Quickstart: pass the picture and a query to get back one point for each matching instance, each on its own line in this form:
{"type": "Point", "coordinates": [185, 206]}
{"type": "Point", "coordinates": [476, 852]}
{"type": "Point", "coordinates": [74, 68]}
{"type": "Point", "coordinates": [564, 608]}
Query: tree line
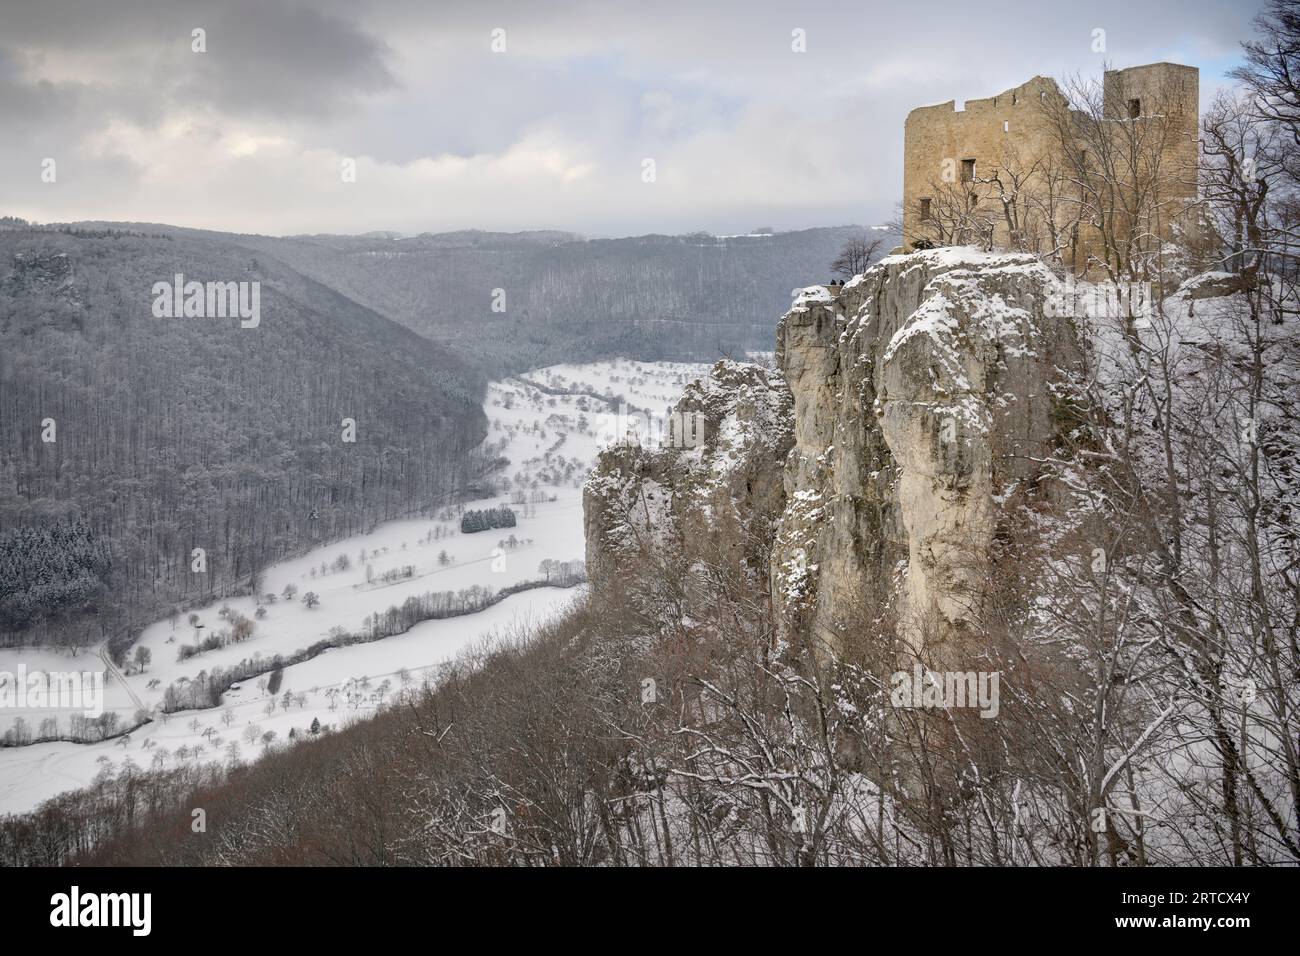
{"type": "Point", "coordinates": [487, 519]}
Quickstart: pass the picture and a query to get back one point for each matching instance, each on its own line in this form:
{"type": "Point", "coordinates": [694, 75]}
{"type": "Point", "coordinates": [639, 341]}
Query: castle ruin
{"type": "Point", "coordinates": [1083, 183]}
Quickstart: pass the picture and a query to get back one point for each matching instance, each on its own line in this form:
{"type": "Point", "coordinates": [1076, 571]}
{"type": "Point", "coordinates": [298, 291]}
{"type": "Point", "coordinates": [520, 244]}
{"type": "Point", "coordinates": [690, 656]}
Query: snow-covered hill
{"type": "Point", "coordinates": [546, 429]}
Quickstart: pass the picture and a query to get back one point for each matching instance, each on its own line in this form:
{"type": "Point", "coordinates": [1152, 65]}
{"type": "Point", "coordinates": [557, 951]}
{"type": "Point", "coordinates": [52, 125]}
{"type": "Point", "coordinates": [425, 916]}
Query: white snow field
{"type": "Point", "coordinates": [550, 424]}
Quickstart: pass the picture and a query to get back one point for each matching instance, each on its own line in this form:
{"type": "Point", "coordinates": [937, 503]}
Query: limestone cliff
{"type": "Point", "coordinates": [924, 399]}
{"type": "Point", "coordinates": [911, 412]}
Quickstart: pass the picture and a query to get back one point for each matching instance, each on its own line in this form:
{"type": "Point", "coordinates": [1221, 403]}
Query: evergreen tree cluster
{"type": "Point", "coordinates": [502, 517]}
{"type": "Point", "coordinates": [47, 570]}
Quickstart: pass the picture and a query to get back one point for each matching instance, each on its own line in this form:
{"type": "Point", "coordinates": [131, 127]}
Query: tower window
{"type": "Point", "coordinates": [1134, 109]}
{"type": "Point", "coordinates": [967, 170]}
{"type": "Point", "coordinates": [925, 210]}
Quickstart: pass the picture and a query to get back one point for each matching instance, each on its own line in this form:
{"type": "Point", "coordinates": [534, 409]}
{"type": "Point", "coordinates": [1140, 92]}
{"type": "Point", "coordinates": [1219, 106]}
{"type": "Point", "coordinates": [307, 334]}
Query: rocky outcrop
{"type": "Point", "coordinates": [710, 494]}
{"type": "Point", "coordinates": [907, 429]}
{"type": "Point", "coordinates": [41, 269]}
{"type": "Point", "coordinates": [1216, 285]}
{"type": "Point", "coordinates": [924, 404]}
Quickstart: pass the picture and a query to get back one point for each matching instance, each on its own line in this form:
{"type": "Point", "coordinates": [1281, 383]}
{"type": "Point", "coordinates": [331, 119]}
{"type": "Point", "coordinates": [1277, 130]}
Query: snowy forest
{"type": "Point", "coordinates": [128, 441]}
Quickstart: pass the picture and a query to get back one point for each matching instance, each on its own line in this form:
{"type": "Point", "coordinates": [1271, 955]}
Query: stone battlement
{"type": "Point", "coordinates": [960, 165]}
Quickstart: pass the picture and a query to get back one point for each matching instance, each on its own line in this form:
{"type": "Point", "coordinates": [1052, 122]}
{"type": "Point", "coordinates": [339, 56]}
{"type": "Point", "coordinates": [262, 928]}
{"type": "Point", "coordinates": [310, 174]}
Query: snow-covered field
{"type": "Point", "coordinates": [550, 432]}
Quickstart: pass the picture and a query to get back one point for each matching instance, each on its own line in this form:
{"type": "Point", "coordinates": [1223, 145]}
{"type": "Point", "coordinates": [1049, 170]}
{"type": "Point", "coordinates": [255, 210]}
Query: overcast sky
{"type": "Point", "coordinates": [251, 135]}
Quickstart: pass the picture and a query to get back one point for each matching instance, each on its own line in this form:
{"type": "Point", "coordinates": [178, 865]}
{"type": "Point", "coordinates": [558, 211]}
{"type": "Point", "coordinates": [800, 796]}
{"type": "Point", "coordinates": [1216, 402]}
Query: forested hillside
{"type": "Point", "coordinates": [566, 299]}
{"type": "Point", "coordinates": [127, 441]}
{"type": "Point", "coordinates": [134, 440]}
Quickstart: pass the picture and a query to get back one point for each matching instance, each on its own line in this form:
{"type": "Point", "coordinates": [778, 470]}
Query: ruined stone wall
{"type": "Point", "coordinates": [1012, 132]}
{"type": "Point", "coordinates": [936, 139]}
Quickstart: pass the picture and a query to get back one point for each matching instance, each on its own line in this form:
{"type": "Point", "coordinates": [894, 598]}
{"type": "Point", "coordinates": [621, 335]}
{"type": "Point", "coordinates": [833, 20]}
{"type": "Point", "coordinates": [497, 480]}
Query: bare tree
{"type": "Point", "coordinates": [855, 256]}
{"type": "Point", "coordinates": [1122, 170]}
{"type": "Point", "coordinates": [1272, 69]}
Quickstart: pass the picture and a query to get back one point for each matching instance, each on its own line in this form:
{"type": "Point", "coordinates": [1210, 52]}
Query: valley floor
{"type": "Point", "coordinates": [549, 425]}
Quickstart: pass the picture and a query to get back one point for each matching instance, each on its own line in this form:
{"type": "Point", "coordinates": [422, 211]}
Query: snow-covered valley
{"type": "Point", "coordinates": [547, 427]}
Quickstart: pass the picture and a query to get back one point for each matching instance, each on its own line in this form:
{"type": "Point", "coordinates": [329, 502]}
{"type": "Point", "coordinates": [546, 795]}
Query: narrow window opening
{"type": "Point", "coordinates": [967, 170]}
{"type": "Point", "coordinates": [925, 210]}
{"type": "Point", "coordinates": [1134, 109]}
{"type": "Point", "coordinates": [1006, 126]}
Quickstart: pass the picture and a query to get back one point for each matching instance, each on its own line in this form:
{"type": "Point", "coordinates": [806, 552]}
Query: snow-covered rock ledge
{"type": "Point", "coordinates": [921, 392]}
{"type": "Point", "coordinates": [711, 497]}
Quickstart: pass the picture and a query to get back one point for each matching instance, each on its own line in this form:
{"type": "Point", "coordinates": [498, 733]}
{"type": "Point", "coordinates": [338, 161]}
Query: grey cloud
{"type": "Point", "coordinates": [286, 59]}
{"type": "Point", "coordinates": [746, 132]}
{"type": "Point", "coordinates": [263, 56]}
